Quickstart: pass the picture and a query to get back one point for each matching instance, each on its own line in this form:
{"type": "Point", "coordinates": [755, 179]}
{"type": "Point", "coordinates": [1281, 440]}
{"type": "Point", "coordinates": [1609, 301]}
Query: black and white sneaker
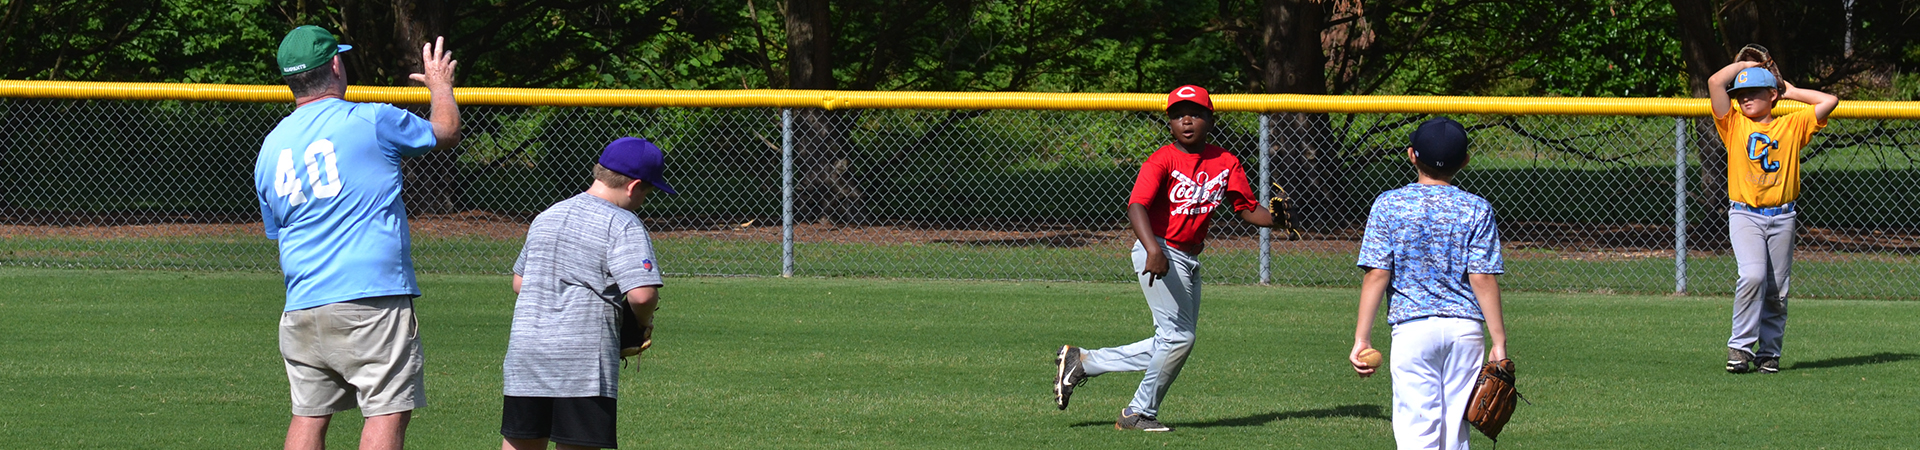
{"type": "Point", "coordinates": [1067, 374]}
{"type": "Point", "coordinates": [1739, 361]}
{"type": "Point", "coordinates": [1768, 364]}
{"type": "Point", "coordinates": [1132, 420]}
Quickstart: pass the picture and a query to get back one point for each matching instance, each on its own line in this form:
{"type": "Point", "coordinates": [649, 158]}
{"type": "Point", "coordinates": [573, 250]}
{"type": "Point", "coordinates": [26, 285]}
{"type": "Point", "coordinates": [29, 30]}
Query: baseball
{"type": "Point", "coordinates": [1370, 357]}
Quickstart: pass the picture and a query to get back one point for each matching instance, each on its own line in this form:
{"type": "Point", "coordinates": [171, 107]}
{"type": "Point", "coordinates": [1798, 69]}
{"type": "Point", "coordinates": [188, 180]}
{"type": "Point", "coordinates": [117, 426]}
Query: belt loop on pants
{"type": "Point", "coordinates": [1769, 211]}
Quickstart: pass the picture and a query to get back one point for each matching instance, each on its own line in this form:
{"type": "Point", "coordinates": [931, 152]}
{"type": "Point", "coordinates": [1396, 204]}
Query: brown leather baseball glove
{"type": "Point", "coordinates": [1493, 398]}
{"type": "Point", "coordinates": [1759, 54]}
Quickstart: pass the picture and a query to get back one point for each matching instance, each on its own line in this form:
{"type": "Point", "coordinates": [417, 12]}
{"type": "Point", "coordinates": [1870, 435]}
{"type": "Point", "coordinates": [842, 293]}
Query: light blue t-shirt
{"type": "Point", "coordinates": [1431, 237]}
{"type": "Point", "coordinates": [328, 181]}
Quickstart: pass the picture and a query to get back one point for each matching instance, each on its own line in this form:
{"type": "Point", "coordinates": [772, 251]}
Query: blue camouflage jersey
{"type": "Point", "coordinates": [328, 182]}
{"type": "Point", "coordinates": [1431, 237]}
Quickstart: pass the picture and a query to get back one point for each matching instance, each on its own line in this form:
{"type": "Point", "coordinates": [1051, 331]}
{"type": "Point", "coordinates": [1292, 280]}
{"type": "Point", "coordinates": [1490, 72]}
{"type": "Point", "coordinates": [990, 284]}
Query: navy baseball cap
{"type": "Point", "coordinates": [1440, 142]}
{"type": "Point", "coordinates": [1753, 77]}
{"type": "Point", "coordinates": [306, 48]}
{"type": "Point", "coordinates": [638, 159]}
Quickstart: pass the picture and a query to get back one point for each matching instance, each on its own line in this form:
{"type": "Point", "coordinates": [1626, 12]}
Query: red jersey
{"type": "Point", "coordinates": [1180, 190]}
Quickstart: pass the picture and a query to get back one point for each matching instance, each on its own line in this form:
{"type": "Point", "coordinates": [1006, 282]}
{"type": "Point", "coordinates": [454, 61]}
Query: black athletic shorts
{"type": "Point", "coordinates": [583, 421]}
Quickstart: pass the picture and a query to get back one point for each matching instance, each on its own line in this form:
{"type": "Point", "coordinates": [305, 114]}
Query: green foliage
{"type": "Point", "coordinates": [1610, 49]}
{"type": "Point", "coordinates": [1452, 47]}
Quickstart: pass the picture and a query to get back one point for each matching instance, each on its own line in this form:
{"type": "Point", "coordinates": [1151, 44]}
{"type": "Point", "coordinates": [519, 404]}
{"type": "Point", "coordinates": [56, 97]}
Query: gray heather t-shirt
{"type": "Point", "coordinates": [581, 256]}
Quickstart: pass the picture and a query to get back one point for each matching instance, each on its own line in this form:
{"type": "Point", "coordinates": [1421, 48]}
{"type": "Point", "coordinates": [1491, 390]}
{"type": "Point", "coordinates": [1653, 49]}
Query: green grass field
{"type": "Point", "coordinates": [131, 359]}
{"type": "Point", "coordinates": [1836, 275]}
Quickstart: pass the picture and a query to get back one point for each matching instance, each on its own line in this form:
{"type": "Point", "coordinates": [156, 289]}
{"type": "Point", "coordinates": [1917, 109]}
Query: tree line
{"type": "Point", "coordinates": [1622, 48]}
{"type": "Point", "coordinates": [1637, 48]}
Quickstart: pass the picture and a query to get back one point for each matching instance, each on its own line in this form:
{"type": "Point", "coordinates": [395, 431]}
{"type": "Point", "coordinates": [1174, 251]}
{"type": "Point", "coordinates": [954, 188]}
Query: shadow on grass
{"type": "Point", "coordinates": [1361, 411]}
{"type": "Point", "coordinates": [1877, 358]}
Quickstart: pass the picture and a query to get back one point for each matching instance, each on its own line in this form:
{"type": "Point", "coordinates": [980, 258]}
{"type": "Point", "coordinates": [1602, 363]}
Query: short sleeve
{"type": "Point", "coordinates": [403, 131]}
{"type": "Point", "coordinates": [1483, 248]}
{"type": "Point", "coordinates": [1147, 184]}
{"type": "Point", "coordinates": [1241, 194]}
{"type": "Point", "coordinates": [268, 222]}
{"type": "Point", "coordinates": [1809, 120]}
{"type": "Point", "coordinates": [520, 262]}
{"type": "Point", "coordinates": [630, 259]}
{"type": "Point", "coordinates": [1724, 124]}
{"type": "Point", "coordinates": [1376, 245]}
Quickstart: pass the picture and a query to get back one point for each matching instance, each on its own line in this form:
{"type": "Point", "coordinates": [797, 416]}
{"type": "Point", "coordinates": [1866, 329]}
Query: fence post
{"type": "Point", "coordinates": [1266, 234]}
{"type": "Point", "coordinates": [1680, 205]}
{"type": "Point", "coordinates": [786, 193]}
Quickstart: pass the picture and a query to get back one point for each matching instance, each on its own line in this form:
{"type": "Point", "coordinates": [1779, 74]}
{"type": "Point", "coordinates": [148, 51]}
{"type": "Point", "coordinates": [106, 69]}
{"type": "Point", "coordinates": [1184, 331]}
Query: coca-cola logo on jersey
{"type": "Point", "coordinates": [1193, 198]}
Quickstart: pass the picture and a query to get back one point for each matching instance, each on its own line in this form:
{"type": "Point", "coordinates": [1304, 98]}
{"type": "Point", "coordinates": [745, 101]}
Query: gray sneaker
{"type": "Point", "coordinates": [1067, 374]}
{"type": "Point", "coordinates": [1768, 364]}
{"type": "Point", "coordinates": [1739, 361]}
{"type": "Point", "coordinates": [1130, 420]}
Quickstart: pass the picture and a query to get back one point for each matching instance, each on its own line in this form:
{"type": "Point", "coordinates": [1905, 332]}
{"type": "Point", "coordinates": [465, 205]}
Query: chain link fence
{"type": "Point", "coordinates": [1585, 203]}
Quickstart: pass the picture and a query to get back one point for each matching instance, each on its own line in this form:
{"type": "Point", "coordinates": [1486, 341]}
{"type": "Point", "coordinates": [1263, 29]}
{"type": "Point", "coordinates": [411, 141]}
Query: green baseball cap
{"type": "Point", "coordinates": [306, 48]}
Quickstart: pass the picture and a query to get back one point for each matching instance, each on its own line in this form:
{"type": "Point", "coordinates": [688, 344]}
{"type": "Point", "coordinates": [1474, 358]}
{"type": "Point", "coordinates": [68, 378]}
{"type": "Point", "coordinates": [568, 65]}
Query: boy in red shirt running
{"type": "Point", "coordinates": [1178, 187]}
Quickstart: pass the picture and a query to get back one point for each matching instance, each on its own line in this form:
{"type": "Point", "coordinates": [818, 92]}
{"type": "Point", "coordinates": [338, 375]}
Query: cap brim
{"type": "Point", "coordinates": [661, 185]}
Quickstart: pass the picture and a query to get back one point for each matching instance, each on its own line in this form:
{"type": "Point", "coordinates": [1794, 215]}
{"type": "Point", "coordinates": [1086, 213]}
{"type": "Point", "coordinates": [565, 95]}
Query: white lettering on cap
{"type": "Point", "coordinates": [1185, 92]}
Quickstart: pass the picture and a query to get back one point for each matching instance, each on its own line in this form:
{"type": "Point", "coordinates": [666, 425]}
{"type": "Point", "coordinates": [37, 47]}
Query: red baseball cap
{"type": "Point", "coordinates": [1190, 93]}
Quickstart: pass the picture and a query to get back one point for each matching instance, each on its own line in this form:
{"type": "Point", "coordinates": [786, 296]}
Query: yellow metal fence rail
{"type": "Point", "coordinates": [775, 98]}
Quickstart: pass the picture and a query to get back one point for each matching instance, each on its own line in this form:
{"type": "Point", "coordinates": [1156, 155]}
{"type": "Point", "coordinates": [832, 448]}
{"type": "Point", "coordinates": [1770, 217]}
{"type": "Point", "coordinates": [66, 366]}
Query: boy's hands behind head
{"type": "Point", "coordinates": [1760, 57]}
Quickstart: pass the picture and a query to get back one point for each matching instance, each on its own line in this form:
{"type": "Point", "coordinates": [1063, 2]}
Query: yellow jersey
{"type": "Point", "coordinates": [1763, 159]}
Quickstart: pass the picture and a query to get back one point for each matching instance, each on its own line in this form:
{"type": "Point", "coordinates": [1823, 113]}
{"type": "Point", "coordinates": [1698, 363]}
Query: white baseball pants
{"type": "Point", "coordinates": [1434, 364]}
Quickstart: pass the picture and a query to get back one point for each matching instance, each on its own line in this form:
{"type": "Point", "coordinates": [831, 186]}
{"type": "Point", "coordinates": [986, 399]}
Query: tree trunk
{"type": "Point", "coordinates": [1698, 44]}
{"type": "Point", "coordinates": [434, 184]}
{"type": "Point", "coordinates": [825, 189]}
{"type": "Point", "coordinates": [1707, 41]}
{"type": "Point", "coordinates": [1305, 154]}
{"type": "Point", "coordinates": [809, 45]}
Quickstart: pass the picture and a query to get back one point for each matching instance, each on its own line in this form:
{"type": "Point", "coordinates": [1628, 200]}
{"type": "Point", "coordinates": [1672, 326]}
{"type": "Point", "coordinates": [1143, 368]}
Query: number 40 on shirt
{"type": "Point", "coordinates": [323, 174]}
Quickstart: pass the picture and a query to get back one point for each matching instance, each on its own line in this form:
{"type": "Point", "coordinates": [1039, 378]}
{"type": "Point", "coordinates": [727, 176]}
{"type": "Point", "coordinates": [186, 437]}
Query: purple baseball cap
{"type": "Point", "coordinates": [638, 159]}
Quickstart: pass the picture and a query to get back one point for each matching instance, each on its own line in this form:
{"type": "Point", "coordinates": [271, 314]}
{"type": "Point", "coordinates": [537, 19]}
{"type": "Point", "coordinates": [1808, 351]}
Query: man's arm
{"type": "Point", "coordinates": [1823, 103]}
{"type": "Point", "coordinates": [516, 283]}
{"type": "Point", "coordinates": [1717, 86]}
{"type": "Point", "coordinates": [1486, 289]}
{"type": "Point", "coordinates": [437, 74]}
{"type": "Point", "coordinates": [1373, 286]}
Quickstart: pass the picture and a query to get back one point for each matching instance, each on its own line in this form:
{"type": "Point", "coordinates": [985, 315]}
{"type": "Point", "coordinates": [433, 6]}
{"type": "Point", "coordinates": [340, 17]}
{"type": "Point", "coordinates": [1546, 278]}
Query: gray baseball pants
{"type": "Point", "coordinates": [1175, 303]}
{"type": "Point", "coordinates": [1763, 248]}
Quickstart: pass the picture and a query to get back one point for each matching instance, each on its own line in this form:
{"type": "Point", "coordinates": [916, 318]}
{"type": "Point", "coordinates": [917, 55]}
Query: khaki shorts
{"type": "Point", "coordinates": [364, 352]}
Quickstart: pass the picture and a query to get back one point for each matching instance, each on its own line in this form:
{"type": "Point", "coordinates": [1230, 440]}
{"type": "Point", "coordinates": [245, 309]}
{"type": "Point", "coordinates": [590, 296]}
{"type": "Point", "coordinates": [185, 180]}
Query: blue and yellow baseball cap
{"type": "Point", "coordinates": [306, 48]}
{"type": "Point", "coordinates": [1754, 77]}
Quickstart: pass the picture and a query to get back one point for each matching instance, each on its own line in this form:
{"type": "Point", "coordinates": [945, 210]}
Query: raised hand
{"type": "Point", "coordinates": [438, 63]}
